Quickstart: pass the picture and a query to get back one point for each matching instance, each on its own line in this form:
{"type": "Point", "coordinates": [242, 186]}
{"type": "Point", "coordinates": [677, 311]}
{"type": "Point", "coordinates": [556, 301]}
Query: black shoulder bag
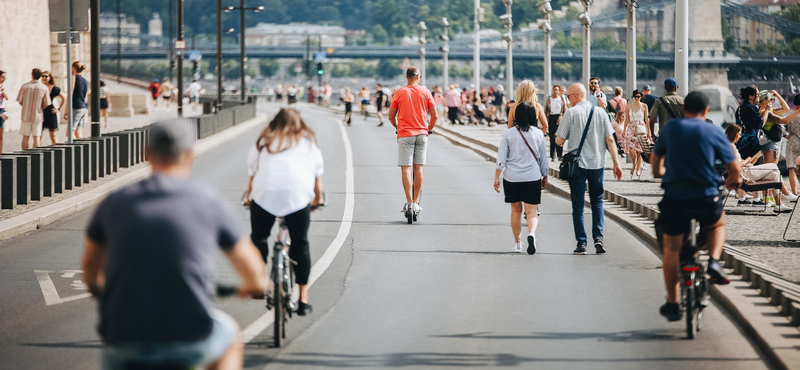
{"type": "Point", "coordinates": [668, 108]}
{"type": "Point", "coordinates": [568, 169]}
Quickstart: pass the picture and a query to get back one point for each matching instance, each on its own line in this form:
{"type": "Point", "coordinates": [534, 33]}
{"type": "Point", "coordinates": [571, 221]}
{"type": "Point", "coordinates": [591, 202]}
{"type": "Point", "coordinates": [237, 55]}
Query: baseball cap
{"type": "Point", "coordinates": [670, 83]}
{"type": "Point", "coordinates": [168, 140]}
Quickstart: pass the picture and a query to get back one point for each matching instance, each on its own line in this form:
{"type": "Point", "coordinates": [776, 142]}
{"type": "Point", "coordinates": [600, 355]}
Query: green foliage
{"type": "Point", "coordinates": [230, 69]}
{"type": "Point", "coordinates": [435, 69]}
{"type": "Point", "coordinates": [642, 45]}
{"type": "Point", "coordinates": [268, 67]}
{"type": "Point", "coordinates": [608, 43]}
{"type": "Point", "coordinates": [729, 42]}
{"type": "Point", "coordinates": [565, 41]}
{"type": "Point", "coordinates": [388, 68]}
{"type": "Point", "coordinates": [793, 14]}
{"type": "Point", "coordinates": [464, 72]}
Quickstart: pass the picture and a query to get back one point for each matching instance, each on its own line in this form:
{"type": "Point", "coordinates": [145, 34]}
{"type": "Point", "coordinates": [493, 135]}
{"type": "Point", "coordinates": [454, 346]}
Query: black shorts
{"type": "Point", "coordinates": [103, 103]}
{"type": "Point", "coordinates": [528, 192]}
{"type": "Point", "coordinates": [452, 113]}
{"type": "Point", "coordinates": [676, 215]}
{"type": "Point", "coordinates": [348, 107]}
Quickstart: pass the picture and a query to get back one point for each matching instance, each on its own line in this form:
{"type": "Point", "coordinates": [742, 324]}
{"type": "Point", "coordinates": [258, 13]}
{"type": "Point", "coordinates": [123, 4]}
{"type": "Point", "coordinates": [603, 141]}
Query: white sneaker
{"type": "Point", "coordinates": [405, 208]}
{"type": "Point", "coordinates": [517, 248]}
{"type": "Point", "coordinates": [417, 208]}
{"type": "Point", "coordinates": [748, 196]}
{"type": "Point", "coordinates": [782, 209]}
{"type": "Point", "coordinates": [789, 198]}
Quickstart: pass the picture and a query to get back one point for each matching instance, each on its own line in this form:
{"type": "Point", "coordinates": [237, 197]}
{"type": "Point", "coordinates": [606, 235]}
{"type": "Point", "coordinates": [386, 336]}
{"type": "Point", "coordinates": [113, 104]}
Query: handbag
{"type": "Point", "coordinates": [568, 169]}
{"type": "Point", "coordinates": [640, 130]}
{"type": "Point", "coordinates": [528, 145]}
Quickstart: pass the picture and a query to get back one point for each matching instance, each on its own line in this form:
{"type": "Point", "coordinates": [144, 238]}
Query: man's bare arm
{"type": "Point", "coordinates": [393, 116]}
{"type": "Point", "coordinates": [247, 261]}
{"type": "Point", "coordinates": [93, 265]}
{"type": "Point", "coordinates": [657, 162]}
{"type": "Point", "coordinates": [434, 118]}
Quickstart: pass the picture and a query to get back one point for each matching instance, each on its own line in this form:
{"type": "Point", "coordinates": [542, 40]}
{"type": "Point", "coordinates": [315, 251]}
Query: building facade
{"type": "Point", "coordinates": [129, 31]}
{"type": "Point", "coordinates": [750, 33]}
{"type": "Point", "coordinates": [295, 34]}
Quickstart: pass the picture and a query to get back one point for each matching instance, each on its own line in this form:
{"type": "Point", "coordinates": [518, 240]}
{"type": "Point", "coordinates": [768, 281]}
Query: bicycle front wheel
{"type": "Point", "coordinates": [690, 299]}
{"type": "Point", "coordinates": [279, 324]}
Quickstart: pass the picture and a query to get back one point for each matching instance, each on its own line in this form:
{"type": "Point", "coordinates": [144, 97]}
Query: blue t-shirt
{"type": "Point", "coordinates": [690, 148]}
{"type": "Point", "coordinates": [79, 93]}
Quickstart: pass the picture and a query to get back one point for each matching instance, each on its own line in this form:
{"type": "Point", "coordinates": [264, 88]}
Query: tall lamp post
{"type": "Point", "coordinates": [545, 8]}
{"type": "Point", "coordinates": [631, 84]}
{"type": "Point", "coordinates": [682, 46]}
{"type": "Point", "coordinates": [477, 50]}
{"type": "Point", "coordinates": [422, 42]}
{"type": "Point", "coordinates": [445, 49]}
{"type": "Point", "coordinates": [243, 58]}
{"type": "Point", "coordinates": [586, 22]}
{"type": "Point", "coordinates": [509, 39]}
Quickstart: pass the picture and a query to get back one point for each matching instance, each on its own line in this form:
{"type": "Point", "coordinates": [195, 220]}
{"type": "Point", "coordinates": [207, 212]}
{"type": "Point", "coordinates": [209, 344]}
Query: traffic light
{"type": "Point", "coordinates": [195, 67]}
{"type": "Point", "coordinates": [307, 67]}
{"type": "Point", "coordinates": [320, 71]}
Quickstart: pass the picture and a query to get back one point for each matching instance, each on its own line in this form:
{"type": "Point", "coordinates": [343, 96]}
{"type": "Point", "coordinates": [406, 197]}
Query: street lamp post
{"type": "Point", "coordinates": [422, 52]}
{"type": "Point", "coordinates": [586, 22]}
{"type": "Point", "coordinates": [631, 60]}
{"type": "Point", "coordinates": [508, 22]}
{"type": "Point", "coordinates": [445, 49]}
{"type": "Point", "coordinates": [477, 50]}
{"type": "Point", "coordinates": [219, 56]}
{"type": "Point", "coordinates": [545, 8]}
{"type": "Point", "coordinates": [243, 58]}
{"type": "Point", "coordinates": [682, 46]}
{"type": "Point", "coordinates": [180, 58]}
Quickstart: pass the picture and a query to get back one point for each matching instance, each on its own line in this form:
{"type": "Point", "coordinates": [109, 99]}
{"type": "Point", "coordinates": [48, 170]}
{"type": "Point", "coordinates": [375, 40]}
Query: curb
{"type": "Point", "coordinates": [40, 217]}
{"type": "Point", "coordinates": [777, 341]}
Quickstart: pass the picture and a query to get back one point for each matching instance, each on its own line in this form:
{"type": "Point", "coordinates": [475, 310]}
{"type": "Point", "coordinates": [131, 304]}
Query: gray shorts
{"type": "Point", "coordinates": [412, 150]}
{"type": "Point", "coordinates": [79, 118]}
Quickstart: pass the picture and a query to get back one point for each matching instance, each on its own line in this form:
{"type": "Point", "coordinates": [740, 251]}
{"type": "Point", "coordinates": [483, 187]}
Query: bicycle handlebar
{"type": "Point", "coordinates": [226, 291]}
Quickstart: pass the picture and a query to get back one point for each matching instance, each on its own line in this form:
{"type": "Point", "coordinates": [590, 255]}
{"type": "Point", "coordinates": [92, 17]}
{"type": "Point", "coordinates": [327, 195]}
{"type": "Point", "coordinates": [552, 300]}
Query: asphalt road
{"type": "Point", "coordinates": [442, 293]}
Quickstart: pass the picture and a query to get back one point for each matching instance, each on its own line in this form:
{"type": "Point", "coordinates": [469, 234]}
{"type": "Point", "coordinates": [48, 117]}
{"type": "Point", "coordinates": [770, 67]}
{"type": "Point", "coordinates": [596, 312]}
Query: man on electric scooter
{"type": "Point", "coordinates": [685, 157]}
{"type": "Point", "coordinates": [149, 260]}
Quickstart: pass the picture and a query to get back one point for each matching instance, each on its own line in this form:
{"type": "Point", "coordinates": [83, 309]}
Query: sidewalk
{"type": "Point", "coordinates": [757, 235]}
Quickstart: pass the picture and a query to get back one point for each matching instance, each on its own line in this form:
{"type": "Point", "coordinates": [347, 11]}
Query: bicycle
{"type": "Point", "coordinates": [282, 277]}
{"type": "Point", "coordinates": [694, 297]}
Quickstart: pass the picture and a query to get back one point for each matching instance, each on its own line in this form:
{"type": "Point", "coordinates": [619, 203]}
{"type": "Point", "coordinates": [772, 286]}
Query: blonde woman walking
{"type": "Point", "coordinates": [526, 92]}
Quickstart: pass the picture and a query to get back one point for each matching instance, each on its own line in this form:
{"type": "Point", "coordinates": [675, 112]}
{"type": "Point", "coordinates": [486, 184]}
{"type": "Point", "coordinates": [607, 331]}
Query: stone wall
{"type": "Point", "coordinates": [24, 45]}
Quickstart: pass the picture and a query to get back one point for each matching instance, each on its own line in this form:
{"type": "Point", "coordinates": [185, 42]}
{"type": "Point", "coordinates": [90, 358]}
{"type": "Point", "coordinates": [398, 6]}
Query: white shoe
{"type": "Point", "coordinates": [782, 209]}
{"type": "Point", "coordinates": [789, 198]}
{"type": "Point", "coordinates": [748, 196]}
{"type": "Point", "coordinates": [517, 248]}
{"type": "Point", "coordinates": [417, 208]}
{"type": "Point", "coordinates": [405, 208]}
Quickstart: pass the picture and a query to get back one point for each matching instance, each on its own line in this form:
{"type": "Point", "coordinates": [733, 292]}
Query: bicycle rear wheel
{"type": "Point", "coordinates": [690, 300]}
{"type": "Point", "coordinates": [279, 323]}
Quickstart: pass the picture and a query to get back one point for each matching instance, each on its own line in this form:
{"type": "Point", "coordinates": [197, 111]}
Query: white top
{"type": "Point", "coordinates": [194, 89]}
{"type": "Point", "coordinates": [555, 106]}
{"type": "Point", "coordinates": [637, 116]}
{"type": "Point", "coordinates": [283, 182]}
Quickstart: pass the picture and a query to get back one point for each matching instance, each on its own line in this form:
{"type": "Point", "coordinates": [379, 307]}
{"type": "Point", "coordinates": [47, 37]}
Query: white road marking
{"type": "Point", "coordinates": [319, 268]}
{"type": "Point", "coordinates": [49, 289]}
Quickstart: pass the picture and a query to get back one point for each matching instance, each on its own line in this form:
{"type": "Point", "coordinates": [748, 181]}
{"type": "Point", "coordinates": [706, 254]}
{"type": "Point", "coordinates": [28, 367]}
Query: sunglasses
{"type": "Point", "coordinates": [637, 97]}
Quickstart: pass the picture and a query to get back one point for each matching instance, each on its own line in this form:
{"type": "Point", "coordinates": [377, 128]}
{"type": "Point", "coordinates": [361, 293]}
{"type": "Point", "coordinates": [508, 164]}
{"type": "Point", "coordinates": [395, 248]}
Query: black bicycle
{"type": "Point", "coordinates": [282, 277]}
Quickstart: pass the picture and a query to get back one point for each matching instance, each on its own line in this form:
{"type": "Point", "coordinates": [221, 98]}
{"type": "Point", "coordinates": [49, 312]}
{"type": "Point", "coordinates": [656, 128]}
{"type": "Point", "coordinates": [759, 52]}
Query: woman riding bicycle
{"type": "Point", "coordinates": [285, 167]}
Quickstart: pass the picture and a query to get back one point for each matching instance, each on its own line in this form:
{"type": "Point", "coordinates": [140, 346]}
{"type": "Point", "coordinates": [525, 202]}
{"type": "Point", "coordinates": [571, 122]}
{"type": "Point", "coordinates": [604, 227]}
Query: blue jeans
{"type": "Point", "coordinates": [577, 188]}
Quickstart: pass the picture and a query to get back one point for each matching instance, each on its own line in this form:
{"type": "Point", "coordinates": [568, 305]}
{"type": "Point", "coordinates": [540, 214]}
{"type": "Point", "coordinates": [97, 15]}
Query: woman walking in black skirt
{"type": "Point", "coordinates": [522, 160]}
{"type": "Point", "coordinates": [50, 122]}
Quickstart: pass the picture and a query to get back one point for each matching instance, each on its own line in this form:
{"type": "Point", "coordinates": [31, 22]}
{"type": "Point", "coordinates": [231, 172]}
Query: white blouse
{"type": "Point", "coordinates": [283, 183]}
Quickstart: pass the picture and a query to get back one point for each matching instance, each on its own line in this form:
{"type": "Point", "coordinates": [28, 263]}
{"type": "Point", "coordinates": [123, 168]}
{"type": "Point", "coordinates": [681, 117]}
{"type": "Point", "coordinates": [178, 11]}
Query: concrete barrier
{"type": "Point", "coordinates": [140, 103]}
{"type": "Point", "coordinates": [121, 105]}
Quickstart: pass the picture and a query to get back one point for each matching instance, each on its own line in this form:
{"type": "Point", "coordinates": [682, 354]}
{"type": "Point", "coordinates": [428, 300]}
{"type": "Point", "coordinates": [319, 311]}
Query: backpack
{"type": "Point", "coordinates": [611, 111]}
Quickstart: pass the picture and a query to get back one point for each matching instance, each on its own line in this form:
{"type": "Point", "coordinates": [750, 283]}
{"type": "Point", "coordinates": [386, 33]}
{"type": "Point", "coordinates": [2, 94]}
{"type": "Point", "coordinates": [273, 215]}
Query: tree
{"type": "Point", "coordinates": [379, 35]}
{"type": "Point", "coordinates": [388, 69]}
{"type": "Point", "coordinates": [607, 43]}
{"type": "Point", "coordinates": [565, 41]}
{"type": "Point", "coordinates": [268, 67]}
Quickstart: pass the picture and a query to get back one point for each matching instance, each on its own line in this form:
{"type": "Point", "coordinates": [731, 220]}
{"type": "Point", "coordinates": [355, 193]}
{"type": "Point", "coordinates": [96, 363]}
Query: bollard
{"type": "Point", "coordinates": [36, 177]}
{"type": "Point", "coordinates": [49, 171]}
{"type": "Point", "coordinates": [73, 166]}
{"type": "Point", "coordinates": [23, 177]}
{"type": "Point", "coordinates": [63, 167]}
{"type": "Point", "coordinates": [90, 154]}
{"type": "Point", "coordinates": [112, 153]}
{"type": "Point", "coordinates": [8, 182]}
{"type": "Point", "coordinates": [123, 148]}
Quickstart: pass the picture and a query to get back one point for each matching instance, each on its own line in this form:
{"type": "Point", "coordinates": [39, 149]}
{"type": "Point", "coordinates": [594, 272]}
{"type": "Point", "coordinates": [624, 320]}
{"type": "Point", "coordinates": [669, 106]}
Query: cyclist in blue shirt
{"type": "Point", "coordinates": [685, 157]}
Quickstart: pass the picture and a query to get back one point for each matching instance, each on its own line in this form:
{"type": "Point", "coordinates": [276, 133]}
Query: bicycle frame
{"type": "Point", "coordinates": [283, 282]}
{"type": "Point", "coordinates": [694, 284]}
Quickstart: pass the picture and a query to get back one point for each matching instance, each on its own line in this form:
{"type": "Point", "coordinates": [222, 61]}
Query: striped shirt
{"type": "Point", "coordinates": [34, 98]}
{"type": "Point", "coordinates": [103, 92]}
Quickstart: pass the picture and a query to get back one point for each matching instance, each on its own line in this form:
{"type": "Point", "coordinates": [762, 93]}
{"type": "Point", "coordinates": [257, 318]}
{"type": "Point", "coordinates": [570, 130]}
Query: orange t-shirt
{"type": "Point", "coordinates": [413, 104]}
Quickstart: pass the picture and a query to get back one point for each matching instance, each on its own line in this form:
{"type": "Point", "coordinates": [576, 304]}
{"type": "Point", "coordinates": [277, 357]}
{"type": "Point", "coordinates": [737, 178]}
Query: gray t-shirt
{"type": "Point", "coordinates": [592, 155]}
{"type": "Point", "coordinates": [162, 236]}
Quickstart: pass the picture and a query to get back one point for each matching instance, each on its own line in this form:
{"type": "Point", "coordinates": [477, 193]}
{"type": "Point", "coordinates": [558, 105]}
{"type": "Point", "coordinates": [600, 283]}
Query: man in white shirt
{"type": "Point", "coordinates": [34, 97]}
{"type": "Point", "coordinates": [596, 96]}
{"type": "Point", "coordinates": [195, 89]}
{"type": "Point", "coordinates": [591, 162]}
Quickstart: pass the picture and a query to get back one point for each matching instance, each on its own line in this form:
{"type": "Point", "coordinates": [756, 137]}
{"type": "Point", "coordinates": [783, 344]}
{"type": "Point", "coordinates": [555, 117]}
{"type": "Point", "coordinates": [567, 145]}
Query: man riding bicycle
{"type": "Point", "coordinates": [408, 113]}
{"type": "Point", "coordinates": [149, 260]}
{"type": "Point", "coordinates": [685, 157]}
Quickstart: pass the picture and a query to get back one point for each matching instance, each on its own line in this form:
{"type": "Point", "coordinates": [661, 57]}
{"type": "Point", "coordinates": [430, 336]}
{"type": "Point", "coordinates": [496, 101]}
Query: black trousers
{"type": "Point", "coordinates": [261, 223]}
{"type": "Point", "coordinates": [552, 123]}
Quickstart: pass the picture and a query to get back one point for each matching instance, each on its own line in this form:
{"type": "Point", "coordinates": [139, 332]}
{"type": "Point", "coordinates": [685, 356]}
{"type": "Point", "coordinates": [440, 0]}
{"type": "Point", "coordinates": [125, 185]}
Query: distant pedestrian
{"type": "Point", "coordinates": [347, 99]}
{"type": "Point", "coordinates": [554, 108]}
{"type": "Point", "coordinates": [599, 137]}
{"type": "Point", "coordinates": [312, 94]}
{"type": "Point", "coordinates": [155, 91]}
{"type": "Point", "coordinates": [34, 98]}
{"type": "Point", "coordinates": [521, 158]}
{"type": "Point", "coordinates": [596, 96]}
{"type": "Point", "coordinates": [438, 98]}
{"type": "Point", "coordinates": [51, 112]}
{"type": "Point", "coordinates": [382, 95]}
{"type": "Point", "coordinates": [78, 106]}
{"type": "Point", "coordinates": [279, 92]}
{"type": "Point", "coordinates": [105, 106]}
{"type": "Point", "coordinates": [667, 107]}
{"type": "Point", "coordinates": [3, 97]}
{"type": "Point", "coordinates": [195, 91]}
{"type": "Point", "coordinates": [526, 92]}
{"type": "Point", "coordinates": [166, 94]}
{"type": "Point", "coordinates": [635, 128]}
{"type": "Point", "coordinates": [453, 102]}
{"type": "Point", "coordinates": [564, 95]}
{"type": "Point", "coordinates": [648, 97]}
{"type": "Point", "coordinates": [618, 102]}
{"type": "Point", "coordinates": [327, 92]}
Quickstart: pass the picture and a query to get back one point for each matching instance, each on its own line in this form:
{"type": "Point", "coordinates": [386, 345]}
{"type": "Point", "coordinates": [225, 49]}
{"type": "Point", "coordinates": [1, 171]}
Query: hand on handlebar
{"type": "Point", "coordinates": [733, 183]}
